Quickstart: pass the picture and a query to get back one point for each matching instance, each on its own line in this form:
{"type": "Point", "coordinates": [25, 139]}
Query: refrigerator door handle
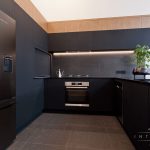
{"type": "Point", "coordinates": [6, 103]}
{"type": "Point", "coordinates": [5, 106]}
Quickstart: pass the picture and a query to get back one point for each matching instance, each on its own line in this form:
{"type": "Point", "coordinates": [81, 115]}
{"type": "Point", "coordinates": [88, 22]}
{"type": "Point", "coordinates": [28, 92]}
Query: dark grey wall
{"type": "Point", "coordinates": [95, 65]}
{"type": "Point", "coordinates": [29, 95]}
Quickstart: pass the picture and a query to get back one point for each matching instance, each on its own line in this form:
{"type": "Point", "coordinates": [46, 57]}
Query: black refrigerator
{"type": "Point", "coordinates": [7, 80]}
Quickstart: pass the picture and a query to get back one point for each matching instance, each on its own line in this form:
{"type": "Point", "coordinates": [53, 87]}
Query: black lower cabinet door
{"type": "Point", "coordinates": [118, 98]}
{"type": "Point", "coordinates": [54, 93]}
{"type": "Point", "coordinates": [135, 114]}
{"type": "Point", "coordinates": [7, 126]}
{"type": "Point", "coordinates": [101, 95]}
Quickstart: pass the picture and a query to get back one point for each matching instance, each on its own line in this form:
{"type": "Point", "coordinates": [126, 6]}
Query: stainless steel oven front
{"type": "Point", "coordinates": [77, 94]}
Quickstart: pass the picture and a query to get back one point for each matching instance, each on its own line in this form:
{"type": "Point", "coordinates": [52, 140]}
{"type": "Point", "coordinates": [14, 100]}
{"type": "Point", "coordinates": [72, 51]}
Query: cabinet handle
{"type": "Point", "coordinates": [117, 86]}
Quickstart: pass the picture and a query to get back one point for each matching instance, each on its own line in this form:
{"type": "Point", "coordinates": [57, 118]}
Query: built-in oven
{"type": "Point", "coordinates": [77, 94]}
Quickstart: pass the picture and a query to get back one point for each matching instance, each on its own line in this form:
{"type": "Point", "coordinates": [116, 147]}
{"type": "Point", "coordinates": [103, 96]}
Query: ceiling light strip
{"type": "Point", "coordinates": [92, 53]}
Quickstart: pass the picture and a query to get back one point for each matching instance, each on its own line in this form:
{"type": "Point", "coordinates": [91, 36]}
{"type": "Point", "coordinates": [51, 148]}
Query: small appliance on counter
{"type": "Point", "coordinates": [59, 73]}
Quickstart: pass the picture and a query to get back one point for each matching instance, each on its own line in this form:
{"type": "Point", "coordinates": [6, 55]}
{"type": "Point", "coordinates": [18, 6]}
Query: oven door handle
{"type": "Point", "coordinates": [76, 87]}
{"type": "Point", "coordinates": [77, 105]}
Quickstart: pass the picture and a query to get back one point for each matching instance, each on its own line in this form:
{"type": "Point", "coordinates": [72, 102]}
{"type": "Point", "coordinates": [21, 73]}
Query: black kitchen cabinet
{"type": "Point", "coordinates": [118, 100]}
{"type": "Point", "coordinates": [136, 113]}
{"type": "Point", "coordinates": [7, 125]}
{"type": "Point", "coordinates": [101, 95]}
{"type": "Point", "coordinates": [73, 41]}
{"type": "Point", "coordinates": [54, 94]}
{"type": "Point", "coordinates": [128, 99]}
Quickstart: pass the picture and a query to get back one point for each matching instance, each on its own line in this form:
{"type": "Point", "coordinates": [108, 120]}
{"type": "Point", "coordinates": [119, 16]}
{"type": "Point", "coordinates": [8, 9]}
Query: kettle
{"type": "Point", "coordinates": [59, 73]}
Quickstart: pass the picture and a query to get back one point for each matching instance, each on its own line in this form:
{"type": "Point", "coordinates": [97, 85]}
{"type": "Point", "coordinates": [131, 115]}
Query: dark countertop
{"type": "Point", "coordinates": [80, 78]}
{"type": "Point", "coordinates": [146, 81]}
{"type": "Point", "coordinates": [143, 81]}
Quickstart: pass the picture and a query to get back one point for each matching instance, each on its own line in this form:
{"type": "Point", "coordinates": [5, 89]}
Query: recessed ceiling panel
{"type": "Point", "coordinates": [61, 10]}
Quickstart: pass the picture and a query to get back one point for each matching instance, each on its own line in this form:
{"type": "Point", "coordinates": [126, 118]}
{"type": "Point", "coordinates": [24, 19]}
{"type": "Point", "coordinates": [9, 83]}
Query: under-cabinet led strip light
{"type": "Point", "coordinates": [92, 53]}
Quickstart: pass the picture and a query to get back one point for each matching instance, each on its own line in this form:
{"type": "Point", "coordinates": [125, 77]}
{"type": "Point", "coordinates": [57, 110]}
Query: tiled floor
{"type": "Point", "coordinates": [73, 132]}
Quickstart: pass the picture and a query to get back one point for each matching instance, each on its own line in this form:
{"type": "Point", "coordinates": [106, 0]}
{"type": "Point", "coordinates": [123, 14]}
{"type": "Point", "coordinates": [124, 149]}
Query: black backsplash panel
{"type": "Point", "coordinates": [99, 40]}
{"type": "Point", "coordinates": [95, 65]}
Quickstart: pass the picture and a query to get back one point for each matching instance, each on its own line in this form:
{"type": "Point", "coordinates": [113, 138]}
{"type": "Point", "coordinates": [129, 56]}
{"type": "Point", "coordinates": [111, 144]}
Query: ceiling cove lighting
{"type": "Point", "coordinates": [93, 53]}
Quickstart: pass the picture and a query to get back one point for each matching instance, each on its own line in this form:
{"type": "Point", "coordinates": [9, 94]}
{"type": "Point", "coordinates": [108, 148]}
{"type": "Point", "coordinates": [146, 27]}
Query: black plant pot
{"type": "Point", "coordinates": [141, 70]}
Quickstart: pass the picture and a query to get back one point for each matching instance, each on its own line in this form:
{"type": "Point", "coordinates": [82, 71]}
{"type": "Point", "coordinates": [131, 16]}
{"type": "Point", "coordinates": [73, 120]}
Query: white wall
{"type": "Point", "coordinates": [57, 10]}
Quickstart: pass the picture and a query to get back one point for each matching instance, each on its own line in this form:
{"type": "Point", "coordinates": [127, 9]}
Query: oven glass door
{"type": "Point", "coordinates": [77, 95]}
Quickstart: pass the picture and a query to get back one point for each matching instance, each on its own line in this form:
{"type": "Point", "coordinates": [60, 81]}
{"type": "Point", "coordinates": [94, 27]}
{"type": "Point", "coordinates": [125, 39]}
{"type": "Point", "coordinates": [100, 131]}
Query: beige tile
{"type": "Point", "coordinates": [16, 145]}
{"type": "Point", "coordinates": [115, 130]}
{"type": "Point", "coordinates": [88, 140]}
{"type": "Point", "coordinates": [73, 148]}
{"type": "Point", "coordinates": [26, 134]}
{"type": "Point", "coordinates": [51, 136]}
{"type": "Point", "coordinates": [48, 125]}
{"type": "Point", "coordinates": [87, 128]}
{"type": "Point", "coordinates": [120, 141]}
{"type": "Point", "coordinates": [29, 146]}
{"type": "Point", "coordinates": [73, 132]}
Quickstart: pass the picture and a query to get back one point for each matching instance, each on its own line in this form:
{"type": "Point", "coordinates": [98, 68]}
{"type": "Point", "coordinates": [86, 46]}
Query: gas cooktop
{"type": "Point", "coordinates": [77, 76]}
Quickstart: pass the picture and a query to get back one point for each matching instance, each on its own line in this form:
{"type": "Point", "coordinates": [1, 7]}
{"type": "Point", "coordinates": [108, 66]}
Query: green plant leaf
{"type": "Point", "coordinates": [142, 54]}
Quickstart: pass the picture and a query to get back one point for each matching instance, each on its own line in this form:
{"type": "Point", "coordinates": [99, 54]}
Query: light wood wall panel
{"type": "Point", "coordinates": [130, 22]}
{"type": "Point", "coordinates": [145, 20]}
{"type": "Point", "coordinates": [31, 10]}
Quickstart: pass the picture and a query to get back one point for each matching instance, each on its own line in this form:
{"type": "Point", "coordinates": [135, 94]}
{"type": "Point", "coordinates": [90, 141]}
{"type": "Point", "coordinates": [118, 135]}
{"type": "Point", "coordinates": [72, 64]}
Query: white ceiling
{"type": "Point", "coordinates": [60, 10]}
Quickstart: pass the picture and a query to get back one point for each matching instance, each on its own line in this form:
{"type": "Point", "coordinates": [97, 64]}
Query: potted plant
{"type": "Point", "coordinates": [142, 57]}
